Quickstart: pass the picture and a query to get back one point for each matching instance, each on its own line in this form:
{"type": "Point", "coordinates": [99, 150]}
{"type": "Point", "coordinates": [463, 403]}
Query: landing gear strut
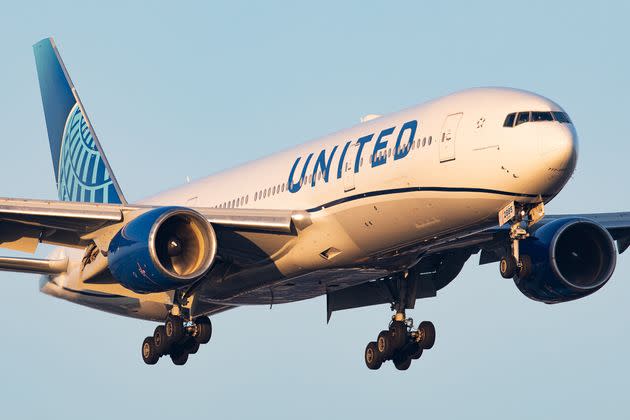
{"type": "Point", "coordinates": [177, 338]}
{"type": "Point", "coordinates": [513, 264]}
{"type": "Point", "coordinates": [401, 342]}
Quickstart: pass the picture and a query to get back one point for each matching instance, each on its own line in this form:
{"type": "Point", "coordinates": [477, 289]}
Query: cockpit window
{"type": "Point", "coordinates": [509, 120]}
{"type": "Point", "coordinates": [562, 117]}
{"type": "Point", "coordinates": [541, 116]}
{"type": "Point", "coordinates": [523, 117]}
{"type": "Point", "coordinates": [514, 119]}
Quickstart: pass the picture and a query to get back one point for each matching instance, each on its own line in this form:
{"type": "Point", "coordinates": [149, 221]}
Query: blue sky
{"type": "Point", "coordinates": [188, 89]}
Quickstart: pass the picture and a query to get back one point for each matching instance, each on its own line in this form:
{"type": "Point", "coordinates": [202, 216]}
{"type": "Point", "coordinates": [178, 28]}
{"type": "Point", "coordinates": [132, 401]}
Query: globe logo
{"type": "Point", "coordinates": [82, 173]}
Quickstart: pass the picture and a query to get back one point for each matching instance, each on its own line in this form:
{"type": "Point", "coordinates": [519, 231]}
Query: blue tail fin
{"type": "Point", "coordinates": [81, 169]}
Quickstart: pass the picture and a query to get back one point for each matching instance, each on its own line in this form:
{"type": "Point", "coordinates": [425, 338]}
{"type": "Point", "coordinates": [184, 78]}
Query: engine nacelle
{"type": "Point", "coordinates": [571, 258]}
{"type": "Point", "coordinates": [163, 249]}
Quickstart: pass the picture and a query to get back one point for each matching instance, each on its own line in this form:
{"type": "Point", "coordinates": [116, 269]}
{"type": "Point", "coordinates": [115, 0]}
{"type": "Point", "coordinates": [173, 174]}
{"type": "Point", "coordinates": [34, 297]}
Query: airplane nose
{"type": "Point", "coordinates": [558, 148]}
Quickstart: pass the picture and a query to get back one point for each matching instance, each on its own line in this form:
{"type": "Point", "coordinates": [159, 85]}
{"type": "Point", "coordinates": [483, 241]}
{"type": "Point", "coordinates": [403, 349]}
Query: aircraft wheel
{"type": "Point", "coordinates": [398, 334]}
{"type": "Point", "coordinates": [372, 359]}
{"type": "Point", "coordinates": [417, 352]}
{"type": "Point", "coordinates": [384, 345]}
{"type": "Point", "coordinates": [192, 346]}
{"type": "Point", "coordinates": [402, 363]}
{"type": "Point", "coordinates": [174, 329]}
{"type": "Point", "coordinates": [203, 328]}
{"type": "Point", "coordinates": [179, 357]}
{"type": "Point", "coordinates": [526, 266]}
{"type": "Point", "coordinates": [160, 340]}
{"type": "Point", "coordinates": [508, 266]}
{"type": "Point", "coordinates": [427, 329]}
{"type": "Point", "coordinates": [150, 354]}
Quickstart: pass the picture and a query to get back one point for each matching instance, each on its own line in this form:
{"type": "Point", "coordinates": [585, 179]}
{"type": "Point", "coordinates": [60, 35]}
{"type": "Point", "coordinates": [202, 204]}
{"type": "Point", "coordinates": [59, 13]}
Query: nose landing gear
{"type": "Point", "coordinates": [176, 338]}
{"type": "Point", "coordinates": [513, 264]}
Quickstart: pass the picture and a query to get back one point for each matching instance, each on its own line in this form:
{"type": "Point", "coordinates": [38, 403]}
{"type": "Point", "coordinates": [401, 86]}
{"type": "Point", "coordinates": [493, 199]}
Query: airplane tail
{"type": "Point", "coordinates": [81, 168]}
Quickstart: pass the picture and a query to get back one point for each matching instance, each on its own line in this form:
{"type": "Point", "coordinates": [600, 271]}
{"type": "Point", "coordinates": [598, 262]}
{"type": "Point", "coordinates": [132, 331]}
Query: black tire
{"type": "Point", "coordinates": [398, 331]}
{"type": "Point", "coordinates": [179, 358]}
{"type": "Point", "coordinates": [427, 329]}
{"type": "Point", "coordinates": [372, 360]}
{"type": "Point", "coordinates": [417, 352]}
{"type": "Point", "coordinates": [174, 329]}
{"type": "Point", "coordinates": [508, 266]}
{"type": "Point", "coordinates": [384, 345]}
{"type": "Point", "coordinates": [526, 267]}
{"type": "Point", "coordinates": [160, 340]}
{"type": "Point", "coordinates": [203, 328]}
{"type": "Point", "coordinates": [192, 346]}
{"type": "Point", "coordinates": [402, 363]}
{"type": "Point", "coordinates": [150, 354]}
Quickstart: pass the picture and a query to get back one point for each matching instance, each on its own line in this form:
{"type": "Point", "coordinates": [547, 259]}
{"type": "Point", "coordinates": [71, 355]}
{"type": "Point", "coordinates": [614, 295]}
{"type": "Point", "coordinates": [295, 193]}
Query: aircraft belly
{"type": "Point", "coordinates": [360, 235]}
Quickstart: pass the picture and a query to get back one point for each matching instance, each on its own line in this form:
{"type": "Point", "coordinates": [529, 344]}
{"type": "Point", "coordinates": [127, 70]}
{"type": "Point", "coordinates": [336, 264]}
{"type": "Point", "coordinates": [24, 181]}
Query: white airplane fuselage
{"type": "Point", "coordinates": [377, 194]}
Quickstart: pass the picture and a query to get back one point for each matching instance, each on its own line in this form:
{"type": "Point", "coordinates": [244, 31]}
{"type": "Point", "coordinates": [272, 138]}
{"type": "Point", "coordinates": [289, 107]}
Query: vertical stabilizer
{"type": "Point", "coordinates": [81, 168]}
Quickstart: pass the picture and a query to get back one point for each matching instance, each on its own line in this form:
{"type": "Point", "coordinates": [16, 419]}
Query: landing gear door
{"type": "Point", "coordinates": [348, 167]}
{"type": "Point", "coordinates": [447, 137]}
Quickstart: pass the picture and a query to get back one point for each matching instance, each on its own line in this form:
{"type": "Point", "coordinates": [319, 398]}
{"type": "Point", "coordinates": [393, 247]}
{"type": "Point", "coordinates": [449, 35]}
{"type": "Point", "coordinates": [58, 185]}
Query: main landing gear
{"type": "Point", "coordinates": [513, 263]}
{"type": "Point", "coordinates": [401, 343]}
{"type": "Point", "coordinates": [176, 338]}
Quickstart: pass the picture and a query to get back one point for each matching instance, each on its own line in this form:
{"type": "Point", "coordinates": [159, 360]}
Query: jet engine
{"type": "Point", "coordinates": [570, 258]}
{"type": "Point", "coordinates": [163, 249]}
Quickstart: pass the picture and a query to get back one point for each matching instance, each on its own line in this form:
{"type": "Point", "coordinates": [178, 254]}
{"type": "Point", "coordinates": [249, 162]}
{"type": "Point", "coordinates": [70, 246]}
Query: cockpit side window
{"type": "Point", "coordinates": [523, 117]}
{"type": "Point", "coordinates": [541, 116]}
{"type": "Point", "coordinates": [561, 117]}
{"type": "Point", "coordinates": [509, 120]}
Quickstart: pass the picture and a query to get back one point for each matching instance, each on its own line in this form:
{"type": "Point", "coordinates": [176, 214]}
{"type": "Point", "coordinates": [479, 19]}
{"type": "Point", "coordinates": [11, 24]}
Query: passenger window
{"type": "Point", "coordinates": [509, 120]}
{"type": "Point", "coordinates": [541, 116]}
{"type": "Point", "coordinates": [430, 140]}
{"type": "Point", "coordinates": [562, 117]}
{"type": "Point", "coordinates": [523, 117]}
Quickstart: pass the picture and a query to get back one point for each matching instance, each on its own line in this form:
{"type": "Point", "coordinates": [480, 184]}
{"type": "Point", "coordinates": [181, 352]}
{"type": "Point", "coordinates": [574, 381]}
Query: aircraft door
{"type": "Point", "coordinates": [447, 139]}
{"type": "Point", "coordinates": [348, 167]}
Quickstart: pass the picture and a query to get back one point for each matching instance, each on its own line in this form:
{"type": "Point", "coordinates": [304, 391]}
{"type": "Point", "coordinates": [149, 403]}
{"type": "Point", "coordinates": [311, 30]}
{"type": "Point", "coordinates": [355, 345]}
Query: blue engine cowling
{"type": "Point", "coordinates": [570, 259]}
{"type": "Point", "coordinates": [163, 249]}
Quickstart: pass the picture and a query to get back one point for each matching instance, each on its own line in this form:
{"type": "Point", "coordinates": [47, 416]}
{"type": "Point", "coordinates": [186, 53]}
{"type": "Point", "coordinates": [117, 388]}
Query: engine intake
{"type": "Point", "coordinates": [163, 249]}
{"type": "Point", "coordinates": [571, 258]}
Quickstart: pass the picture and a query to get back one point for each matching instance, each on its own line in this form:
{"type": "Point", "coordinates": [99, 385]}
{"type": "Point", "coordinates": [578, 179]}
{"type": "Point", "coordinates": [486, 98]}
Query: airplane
{"type": "Point", "coordinates": [385, 212]}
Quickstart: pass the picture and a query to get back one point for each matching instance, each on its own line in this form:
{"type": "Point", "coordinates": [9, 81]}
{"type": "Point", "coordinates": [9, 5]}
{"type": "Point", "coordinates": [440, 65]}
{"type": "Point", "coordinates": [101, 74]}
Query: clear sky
{"type": "Point", "coordinates": [180, 89]}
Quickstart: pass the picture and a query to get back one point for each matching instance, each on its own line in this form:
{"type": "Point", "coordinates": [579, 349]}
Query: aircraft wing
{"type": "Point", "coordinates": [25, 223]}
{"type": "Point", "coordinates": [442, 262]}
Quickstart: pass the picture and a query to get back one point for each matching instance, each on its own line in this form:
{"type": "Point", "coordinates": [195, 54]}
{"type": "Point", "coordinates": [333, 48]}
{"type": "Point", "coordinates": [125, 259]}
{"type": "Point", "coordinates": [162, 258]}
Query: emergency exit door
{"type": "Point", "coordinates": [448, 136]}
